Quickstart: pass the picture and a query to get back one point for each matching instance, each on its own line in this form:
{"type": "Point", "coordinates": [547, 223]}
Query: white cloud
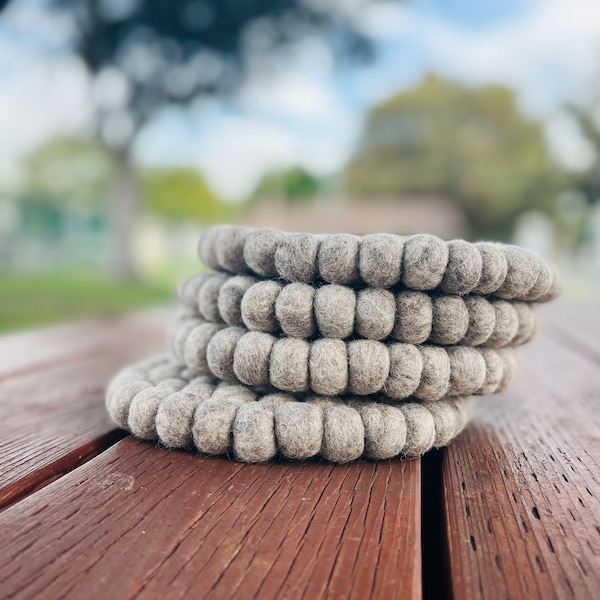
{"type": "Point", "coordinates": [294, 95]}
{"type": "Point", "coordinates": [310, 115]}
{"type": "Point", "coordinates": [550, 52]}
{"type": "Point", "coordinates": [240, 149]}
{"type": "Point", "coordinates": [291, 120]}
{"type": "Point", "coordinates": [234, 159]}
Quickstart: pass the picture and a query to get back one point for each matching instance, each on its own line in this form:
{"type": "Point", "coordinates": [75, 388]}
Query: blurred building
{"type": "Point", "coordinates": [404, 215]}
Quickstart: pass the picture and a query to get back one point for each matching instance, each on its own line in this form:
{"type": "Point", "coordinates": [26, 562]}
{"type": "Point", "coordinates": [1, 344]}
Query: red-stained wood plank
{"type": "Point", "coordinates": [30, 350]}
{"type": "Point", "coordinates": [53, 418]}
{"type": "Point", "coordinates": [141, 521]}
{"type": "Point", "coordinates": [522, 488]}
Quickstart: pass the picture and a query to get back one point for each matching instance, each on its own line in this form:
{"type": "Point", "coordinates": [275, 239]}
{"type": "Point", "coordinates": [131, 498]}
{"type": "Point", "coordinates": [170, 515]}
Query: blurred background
{"type": "Point", "coordinates": [127, 126]}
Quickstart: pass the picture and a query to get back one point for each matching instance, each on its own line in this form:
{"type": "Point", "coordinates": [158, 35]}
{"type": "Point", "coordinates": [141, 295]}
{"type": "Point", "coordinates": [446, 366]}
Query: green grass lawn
{"type": "Point", "coordinates": [29, 299]}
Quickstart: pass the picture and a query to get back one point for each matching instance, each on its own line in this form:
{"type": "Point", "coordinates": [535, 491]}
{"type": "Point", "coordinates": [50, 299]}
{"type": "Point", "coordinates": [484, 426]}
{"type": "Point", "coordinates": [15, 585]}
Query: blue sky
{"type": "Point", "coordinates": [311, 114]}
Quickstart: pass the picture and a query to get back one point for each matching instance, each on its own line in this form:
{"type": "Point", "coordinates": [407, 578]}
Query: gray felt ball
{"type": "Point", "coordinates": [380, 259]}
{"type": "Point", "coordinates": [259, 251]}
{"type": "Point", "coordinates": [338, 259]}
{"type": "Point", "coordinates": [296, 256]}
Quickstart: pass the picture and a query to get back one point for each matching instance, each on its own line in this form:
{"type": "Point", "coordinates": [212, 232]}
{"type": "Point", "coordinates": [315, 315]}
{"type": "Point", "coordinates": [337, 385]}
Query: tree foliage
{"type": "Point", "coordinates": [294, 185]}
{"type": "Point", "coordinates": [178, 194]}
{"type": "Point", "coordinates": [172, 51]}
{"type": "Point", "coordinates": [149, 54]}
{"type": "Point", "coordinates": [470, 145]}
{"type": "Point", "coordinates": [587, 117]}
{"type": "Point", "coordinates": [68, 172]}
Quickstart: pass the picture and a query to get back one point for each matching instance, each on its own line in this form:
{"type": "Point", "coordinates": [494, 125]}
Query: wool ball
{"type": "Point", "coordinates": [493, 270]}
{"type": "Point", "coordinates": [527, 323]}
{"type": "Point", "coordinates": [510, 364]}
{"type": "Point", "coordinates": [368, 366]}
{"type": "Point", "coordinates": [176, 414]}
{"type": "Point", "coordinates": [251, 358]}
{"type": "Point", "coordinates": [338, 259]}
{"type": "Point", "coordinates": [296, 257]}
{"type": "Point", "coordinates": [523, 270]}
{"type": "Point", "coordinates": [229, 301]}
{"type": "Point", "coordinates": [414, 317]}
{"type": "Point", "coordinates": [555, 287]}
{"type": "Point", "coordinates": [142, 412]}
{"type": "Point", "coordinates": [259, 251]}
{"type": "Point", "coordinates": [343, 434]}
{"type": "Point", "coordinates": [198, 381]}
{"type": "Point", "coordinates": [294, 310]}
{"type": "Point", "coordinates": [375, 313]}
{"type": "Point", "coordinates": [277, 399]}
{"type": "Point", "coordinates": [420, 429]}
{"type": "Point", "coordinates": [230, 249]}
{"type": "Point", "coordinates": [172, 385]}
{"type": "Point", "coordinates": [465, 408]}
{"type": "Point", "coordinates": [258, 306]}
{"type": "Point", "coordinates": [425, 260]}
{"type": "Point", "coordinates": [467, 371]}
{"type": "Point", "coordinates": [187, 291]}
{"type": "Point", "coordinates": [220, 351]}
{"type": "Point", "coordinates": [288, 369]}
{"type": "Point", "coordinates": [385, 430]}
{"type": "Point", "coordinates": [233, 392]}
{"type": "Point", "coordinates": [334, 310]}
{"type": "Point", "coordinates": [194, 353]}
{"type": "Point", "coordinates": [324, 401]}
{"type": "Point", "coordinates": [464, 268]}
{"type": "Point", "coordinates": [435, 377]}
{"type": "Point", "coordinates": [494, 371]}
{"type": "Point", "coordinates": [543, 282]}
{"type": "Point", "coordinates": [119, 401]}
{"type": "Point", "coordinates": [507, 324]}
{"type": "Point", "coordinates": [207, 246]}
{"type": "Point", "coordinates": [179, 334]}
{"type": "Point", "coordinates": [447, 421]}
{"type": "Point", "coordinates": [122, 378]}
{"type": "Point", "coordinates": [213, 422]}
{"type": "Point", "coordinates": [208, 297]}
{"type": "Point", "coordinates": [450, 320]}
{"type": "Point", "coordinates": [406, 366]}
{"type": "Point", "coordinates": [254, 433]}
{"type": "Point", "coordinates": [188, 374]}
{"type": "Point", "coordinates": [328, 366]}
{"type": "Point", "coordinates": [482, 320]}
{"type": "Point", "coordinates": [165, 373]}
{"type": "Point", "coordinates": [299, 429]}
{"type": "Point", "coordinates": [380, 259]}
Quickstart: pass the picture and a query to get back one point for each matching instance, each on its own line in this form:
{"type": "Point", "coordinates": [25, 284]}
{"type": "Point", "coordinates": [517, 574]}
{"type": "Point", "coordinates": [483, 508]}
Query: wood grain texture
{"type": "Point", "coordinates": [25, 352]}
{"type": "Point", "coordinates": [522, 488]}
{"type": "Point", "coordinates": [141, 521]}
{"type": "Point", "coordinates": [53, 418]}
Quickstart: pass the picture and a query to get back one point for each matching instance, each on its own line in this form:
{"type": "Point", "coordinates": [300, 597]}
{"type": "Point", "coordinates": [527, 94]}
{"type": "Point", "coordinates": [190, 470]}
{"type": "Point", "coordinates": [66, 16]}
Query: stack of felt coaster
{"type": "Point", "coordinates": [335, 346]}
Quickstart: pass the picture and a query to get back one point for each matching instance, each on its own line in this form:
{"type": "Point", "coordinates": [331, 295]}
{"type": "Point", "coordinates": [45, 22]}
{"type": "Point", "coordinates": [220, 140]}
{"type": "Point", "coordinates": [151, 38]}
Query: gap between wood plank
{"type": "Point", "coordinates": [69, 462]}
{"type": "Point", "coordinates": [434, 550]}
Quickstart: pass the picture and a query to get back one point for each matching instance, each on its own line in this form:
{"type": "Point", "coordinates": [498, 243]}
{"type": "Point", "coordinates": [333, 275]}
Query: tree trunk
{"type": "Point", "coordinates": [123, 212]}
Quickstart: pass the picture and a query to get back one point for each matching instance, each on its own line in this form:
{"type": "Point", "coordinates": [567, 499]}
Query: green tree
{"type": "Point", "coordinates": [181, 193]}
{"type": "Point", "coordinates": [471, 145]}
{"type": "Point", "coordinates": [588, 119]}
{"type": "Point", "coordinates": [68, 171]}
{"type": "Point", "coordinates": [293, 185]}
{"type": "Point", "coordinates": [170, 52]}
{"type": "Point", "coordinates": [72, 172]}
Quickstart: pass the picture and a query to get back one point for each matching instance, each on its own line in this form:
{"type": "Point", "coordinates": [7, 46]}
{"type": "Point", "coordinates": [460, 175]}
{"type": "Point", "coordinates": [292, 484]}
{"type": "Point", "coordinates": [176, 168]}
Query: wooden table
{"type": "Point", "coordinates": [510, 510]}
